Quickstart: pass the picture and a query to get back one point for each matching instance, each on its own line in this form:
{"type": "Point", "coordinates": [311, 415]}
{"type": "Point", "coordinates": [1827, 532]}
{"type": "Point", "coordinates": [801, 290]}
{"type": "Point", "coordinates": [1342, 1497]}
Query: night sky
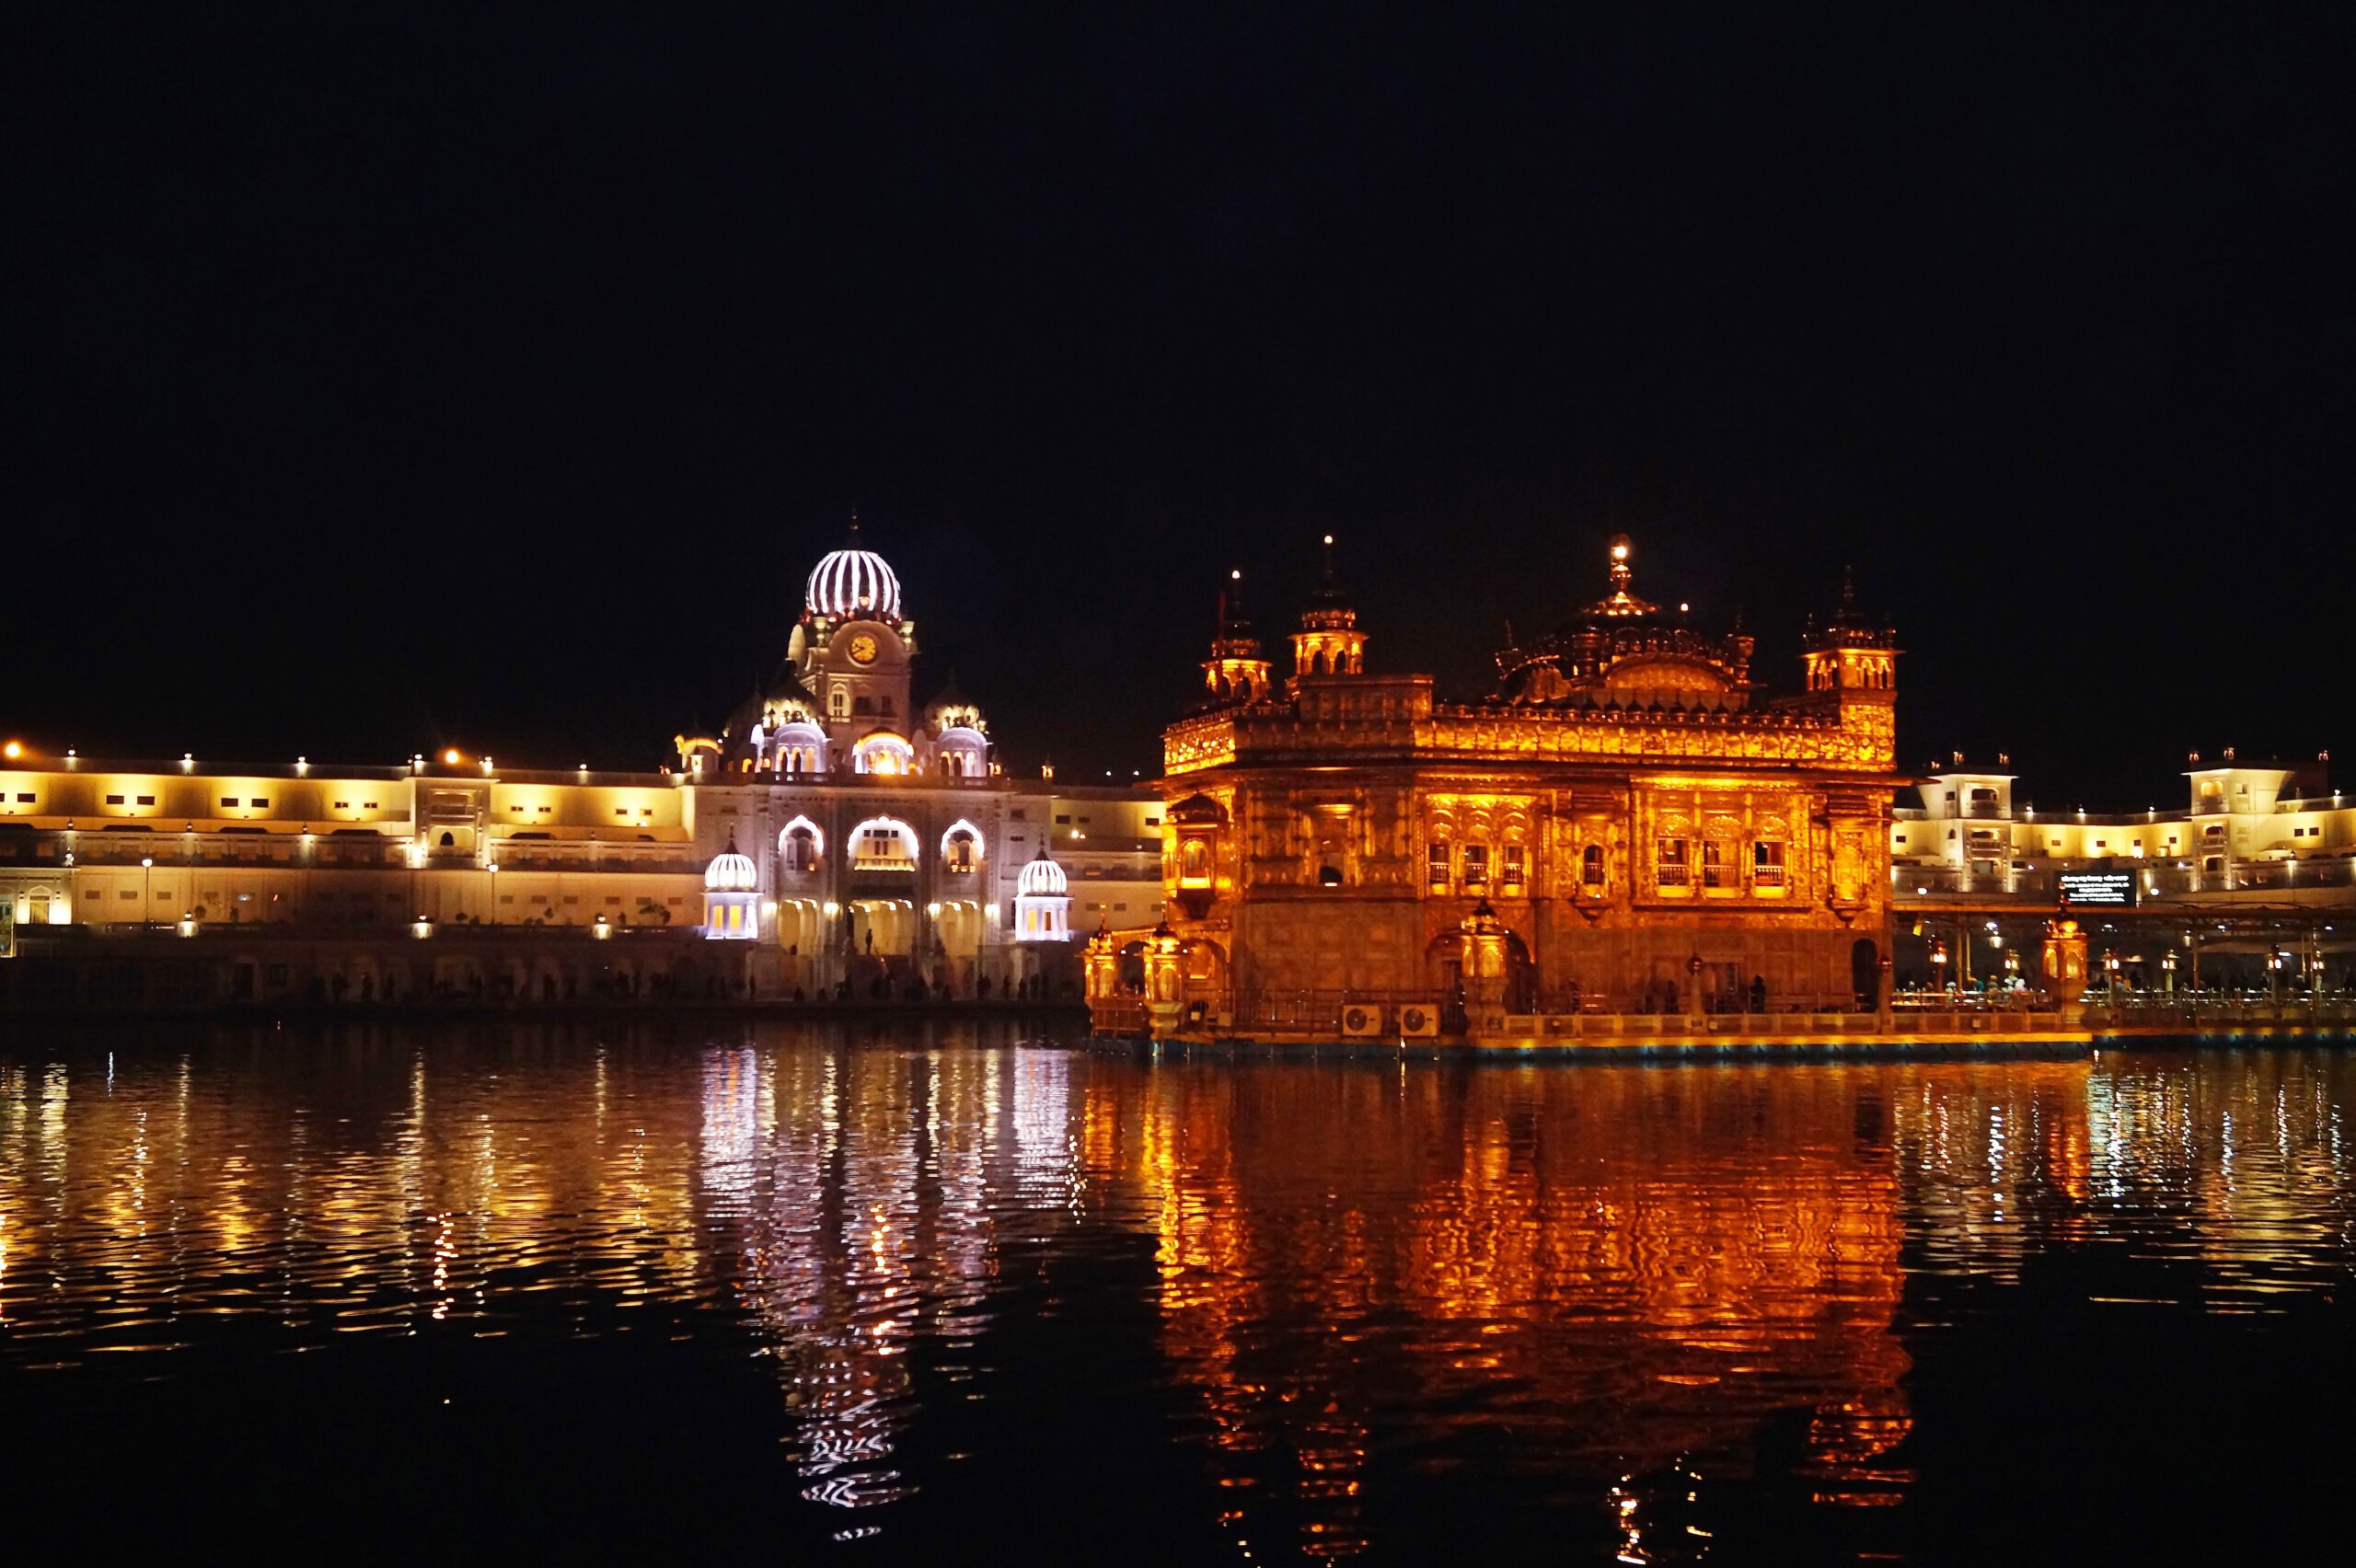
{"type": "Point", "coordinates": [379, 377]}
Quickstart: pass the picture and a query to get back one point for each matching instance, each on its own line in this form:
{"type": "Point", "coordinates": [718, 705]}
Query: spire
{"type": "Point", "coordinates": [1234, 626]}
{"type": "Point", "coordinates": [1329, 604]}
{"type": "Point", "coordinates": [1236, 669]}
{"type": "Point", "coordinates": [1621, 603]}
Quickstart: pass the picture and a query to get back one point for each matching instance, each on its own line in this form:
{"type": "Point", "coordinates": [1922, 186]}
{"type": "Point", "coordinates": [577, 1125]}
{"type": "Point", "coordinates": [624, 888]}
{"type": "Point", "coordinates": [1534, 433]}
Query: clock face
{"type": "Point", "coordinates": [862, 649]}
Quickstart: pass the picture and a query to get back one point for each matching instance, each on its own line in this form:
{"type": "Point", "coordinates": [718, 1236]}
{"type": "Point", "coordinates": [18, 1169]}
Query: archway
{"type": "Point", "coordinates": [961, 849]}
{"type": "Point", "coordinates": [884, 844]}
{"type": "Point", "coordinates": [1864, 972]}
{"type": "Point", "coordinates": [800, 847]}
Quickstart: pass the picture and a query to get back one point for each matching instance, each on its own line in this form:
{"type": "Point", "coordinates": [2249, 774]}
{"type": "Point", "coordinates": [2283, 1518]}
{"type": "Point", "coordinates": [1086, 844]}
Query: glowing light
{"type": "Point", "coordinates": [450, 758]}
{"type": "Point", "coordinates": [14, 750]}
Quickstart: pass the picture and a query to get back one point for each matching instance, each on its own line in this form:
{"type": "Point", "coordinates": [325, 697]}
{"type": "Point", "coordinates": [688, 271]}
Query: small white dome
{"type": "Point", "coordinates": [1043, 876]}
{"type": "Point", "coordinates": [731, 873]}
{"type": "Point", "coordinates": [854, 583]}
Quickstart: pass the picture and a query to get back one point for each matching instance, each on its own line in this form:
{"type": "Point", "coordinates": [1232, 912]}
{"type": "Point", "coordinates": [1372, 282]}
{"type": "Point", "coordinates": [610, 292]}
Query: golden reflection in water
{"type": "Point", "coordinates": [1622, 1269]}
{"type": "Point", "coordinates": [1614, 1274]}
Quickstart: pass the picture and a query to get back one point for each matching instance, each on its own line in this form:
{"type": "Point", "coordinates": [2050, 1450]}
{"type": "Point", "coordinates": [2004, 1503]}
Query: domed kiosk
{"type": "Point", "coordinates": [1042, 902]}
{"type": "Point", "coordinates": [731, 896]}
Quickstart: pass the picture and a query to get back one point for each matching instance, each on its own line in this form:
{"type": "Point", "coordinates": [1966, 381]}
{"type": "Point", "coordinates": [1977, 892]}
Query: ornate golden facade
{"type": "Point", "coordinates": [1650, 836]}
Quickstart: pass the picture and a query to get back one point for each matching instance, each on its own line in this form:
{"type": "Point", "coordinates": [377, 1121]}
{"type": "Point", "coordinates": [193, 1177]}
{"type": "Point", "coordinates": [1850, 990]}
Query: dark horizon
{"type": "Point", "coordinates": [379, 386]}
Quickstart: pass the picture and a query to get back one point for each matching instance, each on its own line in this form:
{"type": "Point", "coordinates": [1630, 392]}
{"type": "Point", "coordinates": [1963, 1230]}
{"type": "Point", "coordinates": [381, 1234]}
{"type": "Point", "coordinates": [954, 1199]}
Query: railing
{"type": "Point", "coordinates": [1970, 1001]}
{"type": "Point", "coordinates": [1117, 1015]}
{"type": "Point", "coordinates": [2038, 882]}
{"type": "Point", "coordinates": [2203, 1014]}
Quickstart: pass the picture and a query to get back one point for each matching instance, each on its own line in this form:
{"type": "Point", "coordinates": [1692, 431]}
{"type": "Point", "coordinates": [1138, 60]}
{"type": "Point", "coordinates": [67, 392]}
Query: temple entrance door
{"type": "Point", "coordinates": [1723, 987]}
{"type": "Point", "coordinates": [1522, 976]}
{"type": "Point", "coordinates": [1864, 972]}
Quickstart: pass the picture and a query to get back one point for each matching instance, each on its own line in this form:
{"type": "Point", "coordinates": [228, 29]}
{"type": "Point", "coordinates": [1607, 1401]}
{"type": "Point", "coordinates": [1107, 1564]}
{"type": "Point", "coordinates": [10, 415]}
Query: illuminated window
{"type": "Point", "coordinates": [1195, 861]}
{"type": "Point", "coordinates": [1436, 863]}
{"type": "Point", "coordinates": [1714, 869]}
{"type": "Point", "coordinates": [1671, 862]}
{"type": "Point", "coordinates": [1476, 865]}
{"type": "Point", "coordinates": [1767, 864]}
{"type": "Point", "coordinates": [1591, 866]}
{"type": "Point", "coordinates": [838, 703]}
{"type": "Point", "coordinates": [1509, 871]}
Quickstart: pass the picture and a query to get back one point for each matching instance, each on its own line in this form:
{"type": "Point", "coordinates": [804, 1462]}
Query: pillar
{"type": "Point", "coordinates": [2065, 969]}
{"type": "Point", "coordinates": [1165, 982]}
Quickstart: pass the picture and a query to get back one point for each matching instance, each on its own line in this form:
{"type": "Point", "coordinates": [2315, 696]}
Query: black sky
{"type": "Point", "coordinates": [377, 376]}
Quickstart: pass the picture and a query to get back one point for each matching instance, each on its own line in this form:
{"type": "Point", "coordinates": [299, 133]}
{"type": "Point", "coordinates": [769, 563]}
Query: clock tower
{"type": "Point", "coordinates": [852, 647]}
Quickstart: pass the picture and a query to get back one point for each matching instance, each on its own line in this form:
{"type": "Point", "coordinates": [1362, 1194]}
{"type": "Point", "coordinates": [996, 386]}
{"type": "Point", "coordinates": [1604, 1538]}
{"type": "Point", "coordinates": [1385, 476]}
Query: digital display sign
{"type": "Point", "coordinates": [2099, 889]}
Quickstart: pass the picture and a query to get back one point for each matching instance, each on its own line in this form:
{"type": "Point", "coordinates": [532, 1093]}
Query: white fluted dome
{"type": "Point", "coordinates": [731, 872]}
{"type": "Point", "coordinates": [1043, 877]}
{"type": "Point", "coordinates": [854, 583]}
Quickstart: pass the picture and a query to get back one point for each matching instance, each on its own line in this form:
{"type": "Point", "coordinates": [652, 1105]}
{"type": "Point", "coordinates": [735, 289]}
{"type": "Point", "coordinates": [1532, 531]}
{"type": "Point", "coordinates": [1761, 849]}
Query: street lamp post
{"type": "Point", "coordinates": [2168, 972]}
{"type": "Point", "coordinates": [2110, 975]}
{"type": "Point", "coordinates": [1939, 965]}
{"type": "Point", "coordinates": [147, 891]}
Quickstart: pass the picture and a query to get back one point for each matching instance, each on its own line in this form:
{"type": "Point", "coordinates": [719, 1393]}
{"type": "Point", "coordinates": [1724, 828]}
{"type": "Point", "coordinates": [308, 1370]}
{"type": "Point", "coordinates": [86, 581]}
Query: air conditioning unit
{"type": "Point", "coordinates": [1361, 1021]}
{"type": "Point", "coordinates": [1419, 1021]}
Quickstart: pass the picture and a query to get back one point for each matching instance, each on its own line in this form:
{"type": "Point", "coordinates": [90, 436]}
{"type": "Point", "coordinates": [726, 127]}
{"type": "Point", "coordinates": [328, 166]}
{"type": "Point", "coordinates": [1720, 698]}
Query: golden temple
{"type": "Point", "coordinates": [1626, 824]}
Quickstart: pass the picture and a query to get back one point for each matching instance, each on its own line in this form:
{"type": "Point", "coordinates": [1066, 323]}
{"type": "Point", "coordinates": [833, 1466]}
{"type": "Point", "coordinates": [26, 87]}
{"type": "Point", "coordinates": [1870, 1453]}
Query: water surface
{"type": "Point", "coordinates": [570, 1290]}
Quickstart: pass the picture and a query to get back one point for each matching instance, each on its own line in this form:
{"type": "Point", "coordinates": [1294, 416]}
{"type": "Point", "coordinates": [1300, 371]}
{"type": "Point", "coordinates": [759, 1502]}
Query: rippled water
{"type": "Point", "coordinates": [560, 1291]}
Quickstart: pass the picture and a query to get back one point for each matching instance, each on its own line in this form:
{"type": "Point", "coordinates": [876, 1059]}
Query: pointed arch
{"type": "Point", "coordinates": [802, 846]}
{"type": "Point", "coordinates": [967, 857]}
